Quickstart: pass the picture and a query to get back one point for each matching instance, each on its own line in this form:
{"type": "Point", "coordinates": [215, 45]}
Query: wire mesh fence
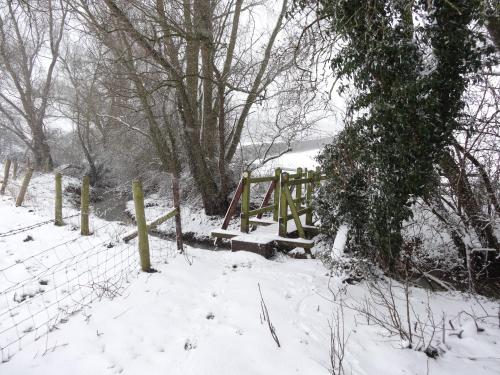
{"type": "Point", "coordinates": [26, 228]}
{"type": "Point", "coordinates": [40, 292]}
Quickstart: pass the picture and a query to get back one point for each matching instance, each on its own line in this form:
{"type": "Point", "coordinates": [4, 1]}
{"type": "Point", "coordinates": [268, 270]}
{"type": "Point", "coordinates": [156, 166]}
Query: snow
{"type": "Point", "coordinates": [340, 242]}
{"type": "Point", "coordinates": [292, 160]}
{"type": "Point", "coordinates": [201, 312]}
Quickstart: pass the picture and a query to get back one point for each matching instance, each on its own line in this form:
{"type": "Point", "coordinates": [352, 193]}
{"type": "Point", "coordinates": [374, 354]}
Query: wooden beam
{"type": "Point", "coordinates": [260, 211]}
{"type": "Point", "coordinates": [295, 214]}
{"type": "Point", "coordinates": [309, 196]}
{"type": "Point", "coordinates": [224, 233]}
{"type": "Point", "coordinates": [262, 222]}
{"type": "Point", "coordinates": [256, 180]}
{"type": "Point", "coordinates": [298, 190]}
{"type": "Point", "coordinates": [283, 206]}
{"type": "Point", "coordinates": [233, 205]}
{"type": "Point", "coordinates": [151, 225]}
{"type": "Point", "coordinates": [267, 197]}
{"type": "Point", "coordinates": [245, 202]}
{"type": "Point", "coordinates": [277, 194]}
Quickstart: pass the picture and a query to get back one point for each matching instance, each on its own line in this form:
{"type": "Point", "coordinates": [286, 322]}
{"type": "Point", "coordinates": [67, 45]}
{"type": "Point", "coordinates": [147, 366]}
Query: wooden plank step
{"type": "Point", "coordinates": [295, 242]}
{"type": "Point", "coordinates": [311, 229]}
{"type": "Point", "coordinates": [255, 237]}
{"type": "Point", "coordinates": [262, 222]}
{"type": "Point", "coordinates": [261, 245]}
{"type": "Point", "coordinates": [267, 238]}
{"type": "Point", "coordinates": [224, 233]}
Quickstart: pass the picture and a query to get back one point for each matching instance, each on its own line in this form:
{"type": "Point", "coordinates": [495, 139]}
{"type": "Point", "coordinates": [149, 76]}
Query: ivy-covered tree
{"type": "Point", "coordinates": [408, 63]}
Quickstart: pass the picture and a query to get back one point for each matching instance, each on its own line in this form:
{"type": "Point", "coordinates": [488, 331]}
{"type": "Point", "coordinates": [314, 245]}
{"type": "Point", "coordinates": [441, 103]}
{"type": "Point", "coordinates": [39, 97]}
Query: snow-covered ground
{"type": "Point", "coordinates": [201, 313]}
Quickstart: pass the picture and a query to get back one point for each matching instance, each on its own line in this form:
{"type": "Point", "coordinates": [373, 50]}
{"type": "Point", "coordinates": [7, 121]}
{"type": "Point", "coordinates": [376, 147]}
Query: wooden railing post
{"type": "Point", "coordinates": [5, 176]}
{"type": "Point", "coordinates": [293, 208]}
{"type": "Point", "coordinates": [283, 206]}
{"type": "Point", "coordinates": [58, 220]}
{"type": "Point", "coordinates": [309, 196]}
{"type": "Point", "coordinates": [84, 206]}
{"type": "Point", "coordinates": [277, 194]}
{"type": "Point", "coordinates": [245, 202]}
{"type": "Point", "coordinates": [298, 189]}
{"type": "Point", "coordinates": [24, 187]}
{"type": "Point", "coordinates": [142, 229]}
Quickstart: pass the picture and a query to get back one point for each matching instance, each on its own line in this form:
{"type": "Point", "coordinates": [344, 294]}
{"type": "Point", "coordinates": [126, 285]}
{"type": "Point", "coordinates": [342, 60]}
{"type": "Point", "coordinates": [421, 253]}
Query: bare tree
{"type": "Point", "coordinates": [30, 40]}
{"type": "Point", "coordinates": [83, 99]}
{"type": "Point", "coordinates": [197, 75]}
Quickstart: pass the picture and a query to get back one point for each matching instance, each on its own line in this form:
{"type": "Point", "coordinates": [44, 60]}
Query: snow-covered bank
{"type": "Point", "coordinates": [202, 313]}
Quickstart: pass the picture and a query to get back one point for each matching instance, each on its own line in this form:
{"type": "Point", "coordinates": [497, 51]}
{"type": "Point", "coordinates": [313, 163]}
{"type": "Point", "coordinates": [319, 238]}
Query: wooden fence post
{"type": "Point", "coordinates": [298, 189]}
{"type": "Point", "coordinates": [309, 196]}
{"type": "Point", "coordinates": [84, 206]}
{"type": "Point", "coordinates": [5, 176]}
{"type": "Point", "coordinates": [142, 230]}
{"type": "Point", "coordinates": [245, 202]}
{"type": "Point", "coordinates": [58, 220]}
{"type": "Point", "coordinates": [293, 208]}
{"type": "Point", "coordinates": [277, 195]}
{"type": "Point", "coordinates": [282, 227]}
{"type": "Point", "coordinates": [24, 187]}
{"type": "Point", "coordinates": [14, 170]}
{"type": "Point", "coordinates": [176, 192]}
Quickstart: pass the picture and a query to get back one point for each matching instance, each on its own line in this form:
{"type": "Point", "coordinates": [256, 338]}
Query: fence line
{"type": "Point", "coordinates": [43, 290]}
{"type": "Point", "coordinates": [32, 226]}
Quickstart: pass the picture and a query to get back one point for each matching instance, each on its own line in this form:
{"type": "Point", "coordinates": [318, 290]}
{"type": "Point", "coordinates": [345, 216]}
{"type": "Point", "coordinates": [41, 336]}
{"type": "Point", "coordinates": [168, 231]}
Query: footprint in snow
{"type": "Point", "coordinates": [190, 344]}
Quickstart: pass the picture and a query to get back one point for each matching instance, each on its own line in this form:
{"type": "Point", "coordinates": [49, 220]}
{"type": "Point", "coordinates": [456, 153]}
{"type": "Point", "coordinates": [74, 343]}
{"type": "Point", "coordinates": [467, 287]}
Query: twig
{"type": "Point", "coordinates": [265, 316]}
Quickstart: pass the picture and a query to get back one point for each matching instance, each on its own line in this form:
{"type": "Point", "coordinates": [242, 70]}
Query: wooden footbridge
{"type": "Point", "coordinates": [284, 218]}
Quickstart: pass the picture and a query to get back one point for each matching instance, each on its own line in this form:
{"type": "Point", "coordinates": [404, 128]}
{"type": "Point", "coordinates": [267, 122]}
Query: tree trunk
{"type": "Point", "coordinates": [462, 189]}
{"type": "Point", "coordinates": [440, 211]}
{"type": "Point", "coordinates": [484, 176]}
{"type": "Point", "coordinates": [493, 26]}
{"type": "Point", "coordinates": [176, 192]}
{"type": "Point", "coordinates": [41, 152]}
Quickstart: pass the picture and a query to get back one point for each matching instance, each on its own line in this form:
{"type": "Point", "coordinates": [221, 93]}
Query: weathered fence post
{"type": "Point", "coordinates": [245, 202]}
{"type": "Point", "coordinates": [176, 192]}
{"type": "Point", "coordinates": [298, 189]}
{"type": "Point", "coordinates": [24, 187]}
{"type": "Point", "coordinates": [58, 220]}
{"type": "Point", "coordinates": [142, 229]}
{"type": "Point", "coordinates": [309, 196]}
{"type": "Point", "coordinates": [14, 170]}
{"type": "Point", "coordinates": [5, 176]}
{"type": "Point", "coordinates": [84, 206]}
{"type": "Point", "coordinates": [277, 194]}
{"type": "Point", "coordinates": [283, 206]}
